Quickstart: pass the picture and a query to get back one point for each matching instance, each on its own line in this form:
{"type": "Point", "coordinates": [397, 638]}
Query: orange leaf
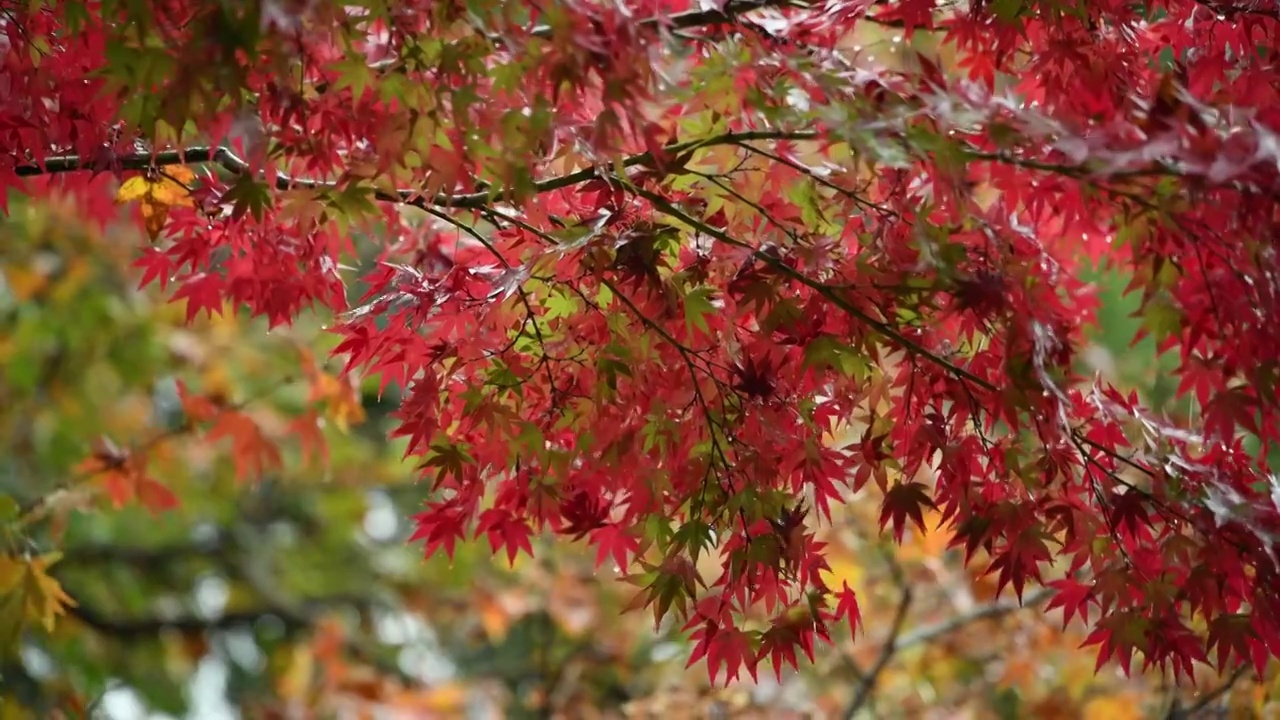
{"type": "Point", "coordinates": [119, 487]}
{"type": "Point", "coordinates": [307, 429]}
{"type": "Point", "coordinates": [106, 456]}
{"type": "Point", "coordinates": [154, 496]}
{"type": "Point", "coordinates": [153, 217]}
{"type": "Point", "coordinates": [198, 408]}
{"type": "Point", "coordinates": [252, 451]}
{"type": "Point", "coordinates": [494, 618]}
{"type": "Point", "coordinates": [123, 476]}
{"type": "Point", "coordinates": [450, 698]}
{"type": "Point", "coordinates": [156, 192]}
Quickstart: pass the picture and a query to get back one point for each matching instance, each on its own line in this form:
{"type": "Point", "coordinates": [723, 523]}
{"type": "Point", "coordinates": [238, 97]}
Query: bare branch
{"type": "Point", "coordinates": [868, 683]}
{"type": "Point", "coordinates": [139, 555]}
{"type": "Point", "coordinates": [897, 641]}
{"type": "Point", "coordinates": [139, 627]}
{"type": "Point", "coordinates": [1180, 713]}
{"type": "Point", "coordinates": [929, 633]}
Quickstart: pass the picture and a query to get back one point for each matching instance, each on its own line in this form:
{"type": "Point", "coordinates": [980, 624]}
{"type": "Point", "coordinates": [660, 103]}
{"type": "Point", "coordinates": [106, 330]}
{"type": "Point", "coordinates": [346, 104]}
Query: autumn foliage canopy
{"type": "Point", "coordinates": [672, 279]}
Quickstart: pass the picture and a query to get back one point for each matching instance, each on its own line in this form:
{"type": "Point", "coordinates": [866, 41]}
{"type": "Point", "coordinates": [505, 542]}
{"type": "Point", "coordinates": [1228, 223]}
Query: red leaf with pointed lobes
{"type": "Point", "coordinates": [253, 452]}
{"type": "Point", "coordinates": [441, 528]}
{"type": "Point", "coordinates": [1019, 559]}
{"type": "Point", "coordinates": [156, 267]}
{"type": "Point", "coordinates": [905, 501]}
{"type": "Point", "coordinates": [1118, 636]}
{"type": "Point", "coordinates": [617, 543]}
{"type": "Point", "coordinates": [796, 627]}
{"type": "Point", "coordinates": [1232, 634]}
{"type": "Point", "coordinates": [847, 609]}
{"type": "Point", "coordinates": [202, 291]}
{"type": "Point", "coordinates": [724, 647]}
{"type": "Point", "coordinates": [583, 513]}
{"type": "Point", "coordinates": [1073, 597]}
{"type": "Point", "coordinates": [505, 530]}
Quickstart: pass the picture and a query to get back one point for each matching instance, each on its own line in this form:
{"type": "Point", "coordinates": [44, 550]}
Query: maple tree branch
{"type": "Point", "coordinates": [147, 627]}
{"type": "Point", "coordinates": [473, 234]}
{"type": "Point", "coordinates": [296, 615]}
{"type": "Point", "coordinates": [897, 641]}
{"type": "Point", "coordinates": [760, 209]}
{"type": "Point", "coordinates": [907, 344]}
{"type": "Point", "coordinates": [150, 626]}
{"type": "Point", "coordinates": [868, 683]}
{"type": "Point", "coordinates": [903, 342]}
{"type": "Point", "coordinates": [686, 354]}
{"type": "Point", "coordinates": [989, 611]}
{"type": "Point", "coordinates": [730, 13]}
{"type": "Point", "coordinates": [139, 555]}
{"type": "Point", "coordinates": [1177, 712]}
{"type": "Point", "coordinates": [1077, 172]}
{"type": "Point", "coordinates": [1251, 7]}
{"type": "Point", "coordinates": [228, 160]}
{"type": "Point", "coordinates": [809, 173]}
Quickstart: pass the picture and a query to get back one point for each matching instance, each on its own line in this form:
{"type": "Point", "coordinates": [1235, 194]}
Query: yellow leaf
{"type": "Point", "coordinates": [295, 682]}
{"type": "Point", "coordinates": [12, 603]}
{"type": "Point", "coordinates": [346, 410]}
{"type": "Point", "coordinates": [181, 173]}
{"type": "Point", "coordinates": [156, 193]}
{"type": "Point", "coordinates": [153, 217]}
{"type": "Point", "coordinates": [12, 618]}
{"type": "Point", "coordinates": [45, 597]}
{"type": "Point", "coordinates": [168, 192]}
{"type": "Point", "coordinates": [344, 407]}
{"type": "Point", "coordinates": [135, 188]}
{"type": "Point", "coordinates": [178, 660]}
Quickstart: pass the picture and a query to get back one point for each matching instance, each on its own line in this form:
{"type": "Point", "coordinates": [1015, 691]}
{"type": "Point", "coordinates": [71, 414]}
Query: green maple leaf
{"type": "Point", "coordinates": [697, 305]}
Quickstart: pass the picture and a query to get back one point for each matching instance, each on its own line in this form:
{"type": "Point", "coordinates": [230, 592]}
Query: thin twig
{"type": "Point", "coordinates": [898, 641]}
{"type": "Point", "coordinates": [1178, 713]}
{"type": "Point", "coordinates": [931, 632]}
{"type": "Point", "coordinates": [129, 627]}
{"type": "Point", "coordinates": [863, 693]}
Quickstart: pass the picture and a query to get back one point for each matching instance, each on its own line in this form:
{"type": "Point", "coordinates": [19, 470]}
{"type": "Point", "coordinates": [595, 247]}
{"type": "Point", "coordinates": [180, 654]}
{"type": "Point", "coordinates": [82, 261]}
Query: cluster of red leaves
{"type": "Point", "coordinates": [124, 477]}
{"type": "Point", "coordinates": [252, 451]}
{"type": "Point", "coordinates": [652, 353]}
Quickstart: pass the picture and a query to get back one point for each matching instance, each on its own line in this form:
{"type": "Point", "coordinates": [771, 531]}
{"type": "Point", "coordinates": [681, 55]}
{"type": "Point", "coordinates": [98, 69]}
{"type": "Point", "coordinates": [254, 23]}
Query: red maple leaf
{"type": "Point", "coordinates": [903, 501]}
{"type": "Point", "coordinates": [202, 291]}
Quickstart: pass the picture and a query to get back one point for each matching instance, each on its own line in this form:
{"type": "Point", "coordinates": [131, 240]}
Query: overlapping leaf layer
{"type": "Point", "coordinates": [673, 278]}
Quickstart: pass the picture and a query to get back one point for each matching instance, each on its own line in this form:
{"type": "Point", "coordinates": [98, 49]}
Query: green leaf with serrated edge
{"type": "Point", "coordinates": [697, 306]}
